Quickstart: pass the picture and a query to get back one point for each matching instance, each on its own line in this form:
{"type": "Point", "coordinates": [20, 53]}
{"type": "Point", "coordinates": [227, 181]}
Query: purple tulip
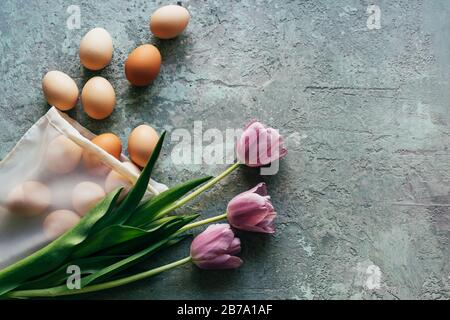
{"type": "Point", "coordinates": [259, 145]}
{"type": "Point", "coordinates": [215, 247]}
{"type": "Point", "coordinates": [252, 211]}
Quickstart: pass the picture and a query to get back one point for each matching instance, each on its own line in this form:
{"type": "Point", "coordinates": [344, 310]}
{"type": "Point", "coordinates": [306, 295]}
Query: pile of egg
{"type": "Point", "coordinates": [98, 100]}
{"type": "Point", "coordinates": [74, 180]}
{"type": "Point", "coordinates": [142, 65]}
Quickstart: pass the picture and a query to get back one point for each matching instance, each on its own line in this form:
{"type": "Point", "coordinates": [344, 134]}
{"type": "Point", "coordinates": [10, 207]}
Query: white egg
{"type": "Point", "coordinates": [58, 222]}
{"type": "Point", "coordinates": [115, 180]}
{"type": "Point", "coordinates": [85, 196]}
{"type": "Point", "coordinates": [63, 155]}
{"type": "Point", "coordinates": [30, 198]}
{"type": "Point", "coordinates": [96, 49]}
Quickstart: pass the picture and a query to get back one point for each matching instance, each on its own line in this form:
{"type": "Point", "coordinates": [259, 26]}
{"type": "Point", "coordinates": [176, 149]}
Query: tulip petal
{"type": "Point", "coordinates": [235, 246]}
{"type": "Point", "coordinates": [216, 239]}
{"type": "Point", "coordinates": [252, 210]}
{"type": "Point", "coordinates": [248, 209]}
{"type": "Point", "coordinates": [225, 261]}
{"type": "Point", "coordinates": [259, 145]}
{"type": "Point", "coordinates": [213, 248]}
{"type": "Point", "coordinates": [260, 188]}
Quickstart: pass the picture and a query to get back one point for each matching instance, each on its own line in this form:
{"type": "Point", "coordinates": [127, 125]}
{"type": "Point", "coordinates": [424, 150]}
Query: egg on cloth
{"type": "Point", "coordinates": [58, 222]}
{"type": "Point", "coordinates": [141, 143]}
{"type": "Point", "coordinates": [142, 65]}
{"type": "Point", "coordinates": [108, 142]}
{"type": "Point", "coordinates": [96, 49]}
{"type": "Point", "coordinates": [60, 90]}
{"type": "Point", "coordinates": [169, 21]}
{"type": "Point", "coordinates": [115, 180]}
{"type": "Point", "coordinates": [29, 199]}
{"type": "Point", "coordinates": [98, 98]}
{"type": "Point", "coordinates": [85, 196]}
{"type": "Point", "coordinates": [62, 155]}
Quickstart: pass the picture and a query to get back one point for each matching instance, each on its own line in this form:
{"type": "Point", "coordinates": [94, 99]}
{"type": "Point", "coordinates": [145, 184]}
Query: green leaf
{"type": "Point", "coordinates": [110, 237]}
{"type": "Point", "coordinates": [113, 235]}
{"type": "Point", "coordinates": [59, 276]}
{"type": "Point", "coordinates": [124, 263]}
{"type": "Point", "coordinates": [166, 229]}
{"type": "Point", "coordinates": [115, 268]}
{"type": "Point", "coordinates": [62, 289]}
{"type": "Point", "coordinates": [148, 210]}
{"type": "Point", "coordinates": [54, 254]}
{"type": "Point", "coordinates": [106, 238]}
{"type": "Point", "coordinates": [159, 221]}
{"type": "Point", "coordinates": [130, 271]}
{"type": "Point", "coordinates": [134, 196]}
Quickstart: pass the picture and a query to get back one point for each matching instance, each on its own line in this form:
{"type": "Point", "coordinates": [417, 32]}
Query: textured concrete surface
{"type": "Point", "coordinates": [364, 194]}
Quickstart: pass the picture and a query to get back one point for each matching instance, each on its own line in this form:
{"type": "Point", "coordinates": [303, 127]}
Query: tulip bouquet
{"type": "Point", "coordinates": [116, 235]}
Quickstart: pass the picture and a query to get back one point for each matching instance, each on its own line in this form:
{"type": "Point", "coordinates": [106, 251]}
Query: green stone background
{"type": "Point", "coordinates": [365, 114]}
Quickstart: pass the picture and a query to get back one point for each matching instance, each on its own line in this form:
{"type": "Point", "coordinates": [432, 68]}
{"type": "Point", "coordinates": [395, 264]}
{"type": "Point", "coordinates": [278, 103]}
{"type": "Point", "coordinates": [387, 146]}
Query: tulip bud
{"type": "Point", "coordinates": [259, 146]}
{"type": "Point", "coordinates": [214, 248]}
{"type": "Point", "coordinates": [252, 211]}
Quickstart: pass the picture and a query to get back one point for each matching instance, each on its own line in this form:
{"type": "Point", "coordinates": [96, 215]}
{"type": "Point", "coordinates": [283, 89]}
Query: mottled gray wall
{"type": "Point", "coordinates": [366, 184]}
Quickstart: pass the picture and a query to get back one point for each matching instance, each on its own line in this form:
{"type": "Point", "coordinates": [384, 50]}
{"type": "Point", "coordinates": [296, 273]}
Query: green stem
{"type": "Point", "coordinates": [202, 222]}
{"type": "Point", "coordinates": [51, 292]}
{"type": "Point", "coordinates": [200, 190]}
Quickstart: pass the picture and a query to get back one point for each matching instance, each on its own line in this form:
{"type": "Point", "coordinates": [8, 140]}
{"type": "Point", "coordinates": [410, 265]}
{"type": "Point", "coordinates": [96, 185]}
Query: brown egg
{"type": "Point", "coordinates": [85, 196]}
{"type": "Point", "coordinates": [108, 142]}
{"type": "Point", "coordinates": [30, 198]}
{"type": "Point", "coordinates": [142, 65]}
{"type": "Point", "coordinates": [98, 98]}
{"type": "Point", "coordinates": [115, 180]}
{"type": "Point", "coordinates": [60, 90]}
{"type": "Point", "coordinates": [62, 155]}
{"type": "Point", "coordinates": [169, 21]}
{"type": "Point", "coordinates": [141, 143]}
{"type": "Point", "coordinates": [58, 222]}
{"type": "Point", "coordinates": [96, 49]}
